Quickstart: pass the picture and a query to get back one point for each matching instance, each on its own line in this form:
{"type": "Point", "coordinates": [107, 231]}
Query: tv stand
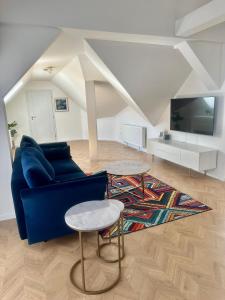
{"type": "Point", "coordinates": [192, 156]}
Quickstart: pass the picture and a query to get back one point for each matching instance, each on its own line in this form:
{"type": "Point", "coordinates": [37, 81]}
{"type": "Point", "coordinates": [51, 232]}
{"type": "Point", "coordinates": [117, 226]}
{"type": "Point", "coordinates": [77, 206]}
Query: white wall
{"type": "Point", "coordinates": [194, 87]}
{"type": "Point", "coordinates": [16, 110]}
{"type": "Point", "coordinates": [84, 124]}
{"type": "Point", "coordinates": [6, 205]}
{"type": "Point", "coordinates": [130, 116]}
{"type": "Point", "coordinates": [110, 128]}
{"type": "Point", "coordinates": [106, 127]}
{"type": "Point", "coordinates": [68, 124]}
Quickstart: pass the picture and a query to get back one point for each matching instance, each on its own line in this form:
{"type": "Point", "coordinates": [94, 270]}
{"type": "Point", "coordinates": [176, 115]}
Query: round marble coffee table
{"type": "Point", "coordinates": [127, 168]}
{"type": "Point", "coordinates": [88, 217]}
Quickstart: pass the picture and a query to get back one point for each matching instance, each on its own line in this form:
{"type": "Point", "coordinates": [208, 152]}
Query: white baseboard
{"type": "Point", "coordinates": [107, 140]}
{"type": "Point", "coordinates": [69, 139]}
{"type": "Point", "coordinates": [141, 149]}
{"type": "Point", "coordinates": [215, 177]}
{"type": "Point", "coordinates": [8, 216]}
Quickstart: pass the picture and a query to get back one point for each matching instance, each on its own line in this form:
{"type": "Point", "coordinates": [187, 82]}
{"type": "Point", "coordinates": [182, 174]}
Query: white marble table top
{"type": "Point", "coordinates": [127, 167]}
{"type": "Point", "coordinates": [93, 215]}
{"type": "Point", "coordinates": [117, 203]}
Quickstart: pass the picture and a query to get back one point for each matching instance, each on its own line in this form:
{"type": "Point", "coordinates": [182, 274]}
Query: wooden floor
{"type": "Point", "coordinates": [178, 260]}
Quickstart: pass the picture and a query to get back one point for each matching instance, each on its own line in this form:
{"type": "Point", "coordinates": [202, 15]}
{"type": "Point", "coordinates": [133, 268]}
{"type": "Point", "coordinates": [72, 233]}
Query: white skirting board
{"type": "Point", "coordinates": [8, 216]}
{"type": "Point", "coordinates": [134, 136]}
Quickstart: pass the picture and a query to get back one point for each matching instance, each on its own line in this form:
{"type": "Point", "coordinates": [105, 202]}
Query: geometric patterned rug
{"type": "Point", "coordinates": [161, 204]}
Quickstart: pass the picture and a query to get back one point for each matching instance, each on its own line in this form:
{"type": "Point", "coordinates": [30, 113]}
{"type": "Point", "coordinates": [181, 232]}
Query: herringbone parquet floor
{"type": "Point", "coordinates": [182, 260]}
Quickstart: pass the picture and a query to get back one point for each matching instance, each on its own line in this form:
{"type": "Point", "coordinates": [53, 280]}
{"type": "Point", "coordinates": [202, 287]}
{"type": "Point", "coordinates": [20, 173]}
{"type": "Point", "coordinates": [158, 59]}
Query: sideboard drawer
{"type": "Point", "coordinates": [189, 159]}
{"type": "Point", "coordinates": [173, 156]}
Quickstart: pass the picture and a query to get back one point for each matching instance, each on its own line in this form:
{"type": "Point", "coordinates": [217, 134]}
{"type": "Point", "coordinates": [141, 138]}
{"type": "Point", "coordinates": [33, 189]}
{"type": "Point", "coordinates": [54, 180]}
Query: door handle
{"type": "Point", "coordinates": [33, 117]}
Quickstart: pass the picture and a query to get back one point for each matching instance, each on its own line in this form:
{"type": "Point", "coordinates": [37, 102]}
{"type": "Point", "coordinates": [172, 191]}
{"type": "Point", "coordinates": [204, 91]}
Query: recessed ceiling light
{"type": "Point", "coordinates": [49, 69]}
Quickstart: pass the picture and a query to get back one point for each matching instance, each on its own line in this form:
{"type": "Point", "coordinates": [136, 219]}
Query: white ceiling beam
{"type": "Point", "coordinates": [92, 119]}
{"type": "Point", "coordinates": [202, 18]}
{"type": "Point", "coordinates": [70, 80]}
{"type": "Point", "coordinates": [196, 64]}
{"type": "Point", "coordinates": [122, 37]}
{"type": "Point", "coordinates": [204, 50]}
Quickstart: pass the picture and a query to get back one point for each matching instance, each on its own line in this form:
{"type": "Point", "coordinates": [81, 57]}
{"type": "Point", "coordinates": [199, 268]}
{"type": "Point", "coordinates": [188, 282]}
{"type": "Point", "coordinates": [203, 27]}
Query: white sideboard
{"type": "Point", "coordinates": [195, 157]}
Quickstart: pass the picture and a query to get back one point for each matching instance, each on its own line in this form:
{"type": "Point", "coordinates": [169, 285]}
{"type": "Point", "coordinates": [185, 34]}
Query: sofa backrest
{"type": "Point", "coordinates": [29, 162]}
{"type": "Point", "coordinates": [18, 183]}
{"type": "Point", "coordinates": [28, 141]}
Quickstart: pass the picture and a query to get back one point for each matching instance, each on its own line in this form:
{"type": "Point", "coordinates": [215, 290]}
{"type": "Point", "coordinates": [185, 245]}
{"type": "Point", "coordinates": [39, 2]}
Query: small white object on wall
{"type": "Point", "coordinates": [134, 136]}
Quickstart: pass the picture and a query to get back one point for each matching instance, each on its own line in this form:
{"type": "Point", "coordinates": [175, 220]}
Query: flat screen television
{"type": "Point", "coordinates": [194, 115]}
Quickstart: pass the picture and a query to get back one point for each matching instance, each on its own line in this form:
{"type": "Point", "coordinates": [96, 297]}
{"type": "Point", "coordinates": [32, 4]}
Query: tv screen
{"type": "Point", "coordinates": [194, 115]}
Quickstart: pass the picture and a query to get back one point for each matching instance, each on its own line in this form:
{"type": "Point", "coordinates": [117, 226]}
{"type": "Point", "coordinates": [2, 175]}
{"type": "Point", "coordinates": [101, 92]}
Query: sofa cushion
{"type": "Point", "coordinates": [70, 176]}
{"type": "Point", "coordinates": [34, 170]}
{"type": "Point", "coordinates": [28, 141]}
{"type": "Point", "coordinates": [64, 166]}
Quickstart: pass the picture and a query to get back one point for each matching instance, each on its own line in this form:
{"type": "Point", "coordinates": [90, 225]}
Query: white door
{"type": "Point", "coordinates": [41, 116]}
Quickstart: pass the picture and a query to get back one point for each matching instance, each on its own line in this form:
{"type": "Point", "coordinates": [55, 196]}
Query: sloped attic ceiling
{"type": "Point", "coordinates": [156, 17]}
{"type": "Point", "coordinates": [17, 54]}
{"type": "Point", "coordinates": [150, 74]}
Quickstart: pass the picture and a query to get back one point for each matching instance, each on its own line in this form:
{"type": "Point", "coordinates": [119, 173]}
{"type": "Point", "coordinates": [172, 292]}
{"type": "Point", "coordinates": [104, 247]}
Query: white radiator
{"type": "Point", "coordinates": [134, 136]}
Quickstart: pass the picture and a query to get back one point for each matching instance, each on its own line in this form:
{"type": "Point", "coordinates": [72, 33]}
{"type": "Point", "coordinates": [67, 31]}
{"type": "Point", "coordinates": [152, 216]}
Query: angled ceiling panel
{"type": "Point", "coordinates": [21, 46]}
{"type": "Point", "coordinates": [150, 74]}
{"type": "Point", "coordinates": [108, 101]}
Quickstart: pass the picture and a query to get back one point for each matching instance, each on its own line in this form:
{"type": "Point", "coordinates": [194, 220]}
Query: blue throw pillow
{"type": "Point", "coordinates": [40, 156]}
{"type": "Point", "coordinates": [33, 171]}
{"type": "Point", "coordinates": [28, 141]}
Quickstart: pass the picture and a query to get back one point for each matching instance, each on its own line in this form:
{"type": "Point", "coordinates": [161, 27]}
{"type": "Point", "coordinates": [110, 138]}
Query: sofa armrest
{"type": "Point", "coordinates": [45, 207]}
{"type": "Point", "coordinates": [53, 145]}
{"type": "Point", "coordinates": [57, 152]}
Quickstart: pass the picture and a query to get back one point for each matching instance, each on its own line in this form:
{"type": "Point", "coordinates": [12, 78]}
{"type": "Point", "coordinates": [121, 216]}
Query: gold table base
{"type": "Point", "coordinates": [83, 288]}
{"type": "Point", "coordinates": [110, 243]}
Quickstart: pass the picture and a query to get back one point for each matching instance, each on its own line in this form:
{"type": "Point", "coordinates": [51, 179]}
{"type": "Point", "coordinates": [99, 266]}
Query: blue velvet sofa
{"type": "Point", "coordinates": [45, 183]}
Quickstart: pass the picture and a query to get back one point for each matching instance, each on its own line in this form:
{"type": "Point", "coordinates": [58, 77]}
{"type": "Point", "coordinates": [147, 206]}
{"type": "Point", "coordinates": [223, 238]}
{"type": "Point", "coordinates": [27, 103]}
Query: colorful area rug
{"type": "Point", "coordinates": [161, 204]}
